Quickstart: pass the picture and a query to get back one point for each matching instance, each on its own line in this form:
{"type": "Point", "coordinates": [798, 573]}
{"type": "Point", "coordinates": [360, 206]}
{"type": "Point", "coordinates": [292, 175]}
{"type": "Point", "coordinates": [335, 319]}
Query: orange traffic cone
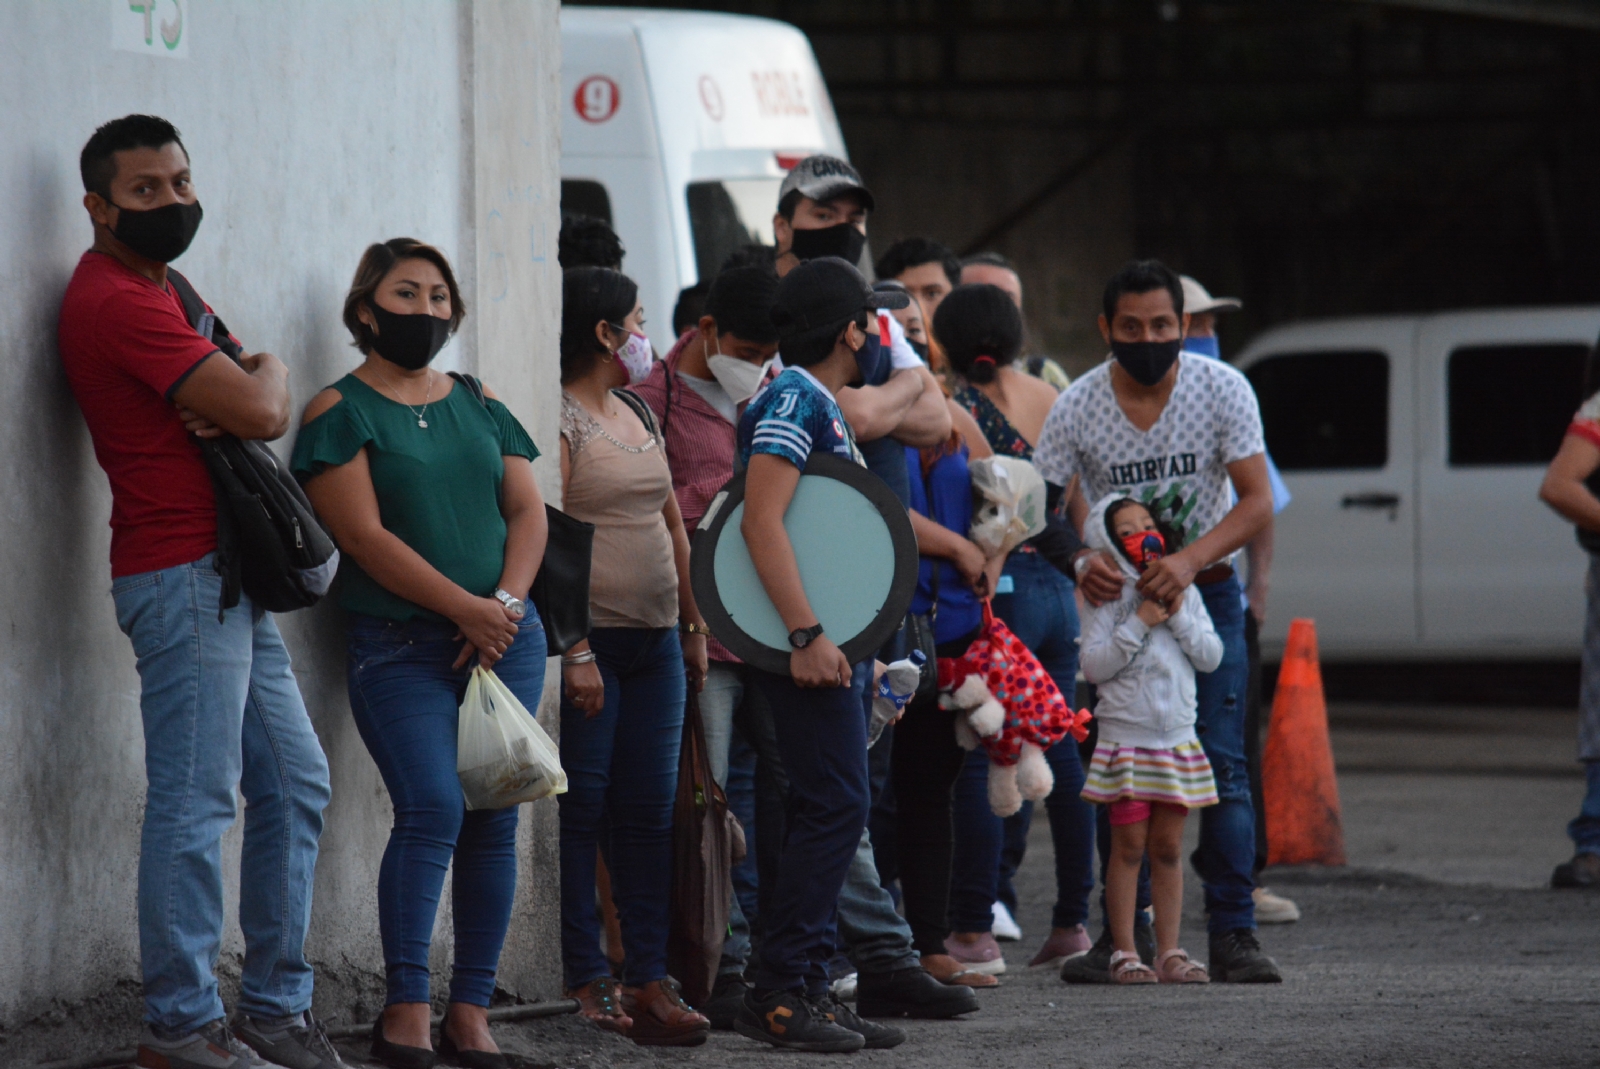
{"type": "Point", "coordinates": [1297, 777]}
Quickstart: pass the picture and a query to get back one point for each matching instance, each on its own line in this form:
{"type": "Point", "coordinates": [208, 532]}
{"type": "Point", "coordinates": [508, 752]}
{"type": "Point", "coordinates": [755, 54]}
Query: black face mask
{"type": "Point", "coordinates": [161, 234]}
{"type": "Point", "coordinates": [871, 360]}
{"type": "Point", "coordinates": [843, 241]}
{"type": "Point", "coordinates": [408, 341]}
{"type": "Point", "coordinates": [1147, 361]}
{"type": "Point", "coordinates": [920, 348]}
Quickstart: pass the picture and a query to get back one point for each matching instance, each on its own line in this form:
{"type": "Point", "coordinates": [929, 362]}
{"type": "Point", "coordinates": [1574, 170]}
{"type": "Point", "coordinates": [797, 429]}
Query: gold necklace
{"type": "Point", "coordinates": [418, 412]}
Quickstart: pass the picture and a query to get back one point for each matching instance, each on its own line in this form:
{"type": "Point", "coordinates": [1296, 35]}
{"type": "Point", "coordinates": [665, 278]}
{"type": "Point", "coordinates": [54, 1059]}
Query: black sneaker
{"type": "Point", "coordinates": [1237, 958]}
{"type": "Point", "coordinates": [794, 1022]}
{"type": "Point", "coordinates": [297, 1042]}
{"type": "Point", "coordinates": [1093, 966]}
{"type": "Point", "coordinates": [912, 992]}
{"type": "Point", "coordinates": [723, 1005]}
{"type": "Point", "coordinates": [878, 1036]}
{"type": "Point", "coordinates": [1583, 871]}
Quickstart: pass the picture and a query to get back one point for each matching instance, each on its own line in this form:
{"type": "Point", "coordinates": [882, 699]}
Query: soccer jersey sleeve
{"type": "Point", "coordinates": [783, 426]}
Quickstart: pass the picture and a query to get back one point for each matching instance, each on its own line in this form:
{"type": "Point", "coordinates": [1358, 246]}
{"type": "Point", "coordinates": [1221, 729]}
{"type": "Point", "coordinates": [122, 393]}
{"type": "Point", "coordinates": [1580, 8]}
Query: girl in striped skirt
{"type": "Point", "coordinates": [1148, 765]}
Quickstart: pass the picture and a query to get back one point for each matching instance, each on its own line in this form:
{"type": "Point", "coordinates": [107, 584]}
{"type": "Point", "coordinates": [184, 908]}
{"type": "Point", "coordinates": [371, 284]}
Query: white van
{"type": "Point", "coordinates": [1414, 447]}
{"type": "Point", "coordinates": [677, 128]}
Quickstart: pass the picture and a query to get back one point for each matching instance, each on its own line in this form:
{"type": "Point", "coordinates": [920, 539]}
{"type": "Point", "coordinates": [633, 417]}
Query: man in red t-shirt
{"type": "Point", "coordinates": [218, 697]}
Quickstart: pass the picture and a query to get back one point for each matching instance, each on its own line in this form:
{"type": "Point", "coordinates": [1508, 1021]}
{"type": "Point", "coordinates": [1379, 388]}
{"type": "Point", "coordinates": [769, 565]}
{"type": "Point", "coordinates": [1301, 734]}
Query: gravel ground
{"type": "Point", "coordinates": [1437, 947]}
{"type": "Point", "coordinates": [1384, 971]}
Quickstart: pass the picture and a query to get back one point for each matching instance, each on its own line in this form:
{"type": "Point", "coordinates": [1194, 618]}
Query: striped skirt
{"type": "Point", "coordinates": [1178, 776]}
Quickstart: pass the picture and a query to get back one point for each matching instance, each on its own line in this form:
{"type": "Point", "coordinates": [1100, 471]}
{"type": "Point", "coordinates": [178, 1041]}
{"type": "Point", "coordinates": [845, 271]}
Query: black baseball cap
{"type": "Point", "coordinates": [825, 292]}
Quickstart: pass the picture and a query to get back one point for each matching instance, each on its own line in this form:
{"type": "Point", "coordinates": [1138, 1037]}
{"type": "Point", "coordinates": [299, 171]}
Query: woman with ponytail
{"type": "Point", "coordinates": [980, 331]}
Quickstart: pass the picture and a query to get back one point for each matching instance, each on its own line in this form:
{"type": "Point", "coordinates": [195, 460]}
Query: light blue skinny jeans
{"type": "Point", "coordinates": [221, 710]}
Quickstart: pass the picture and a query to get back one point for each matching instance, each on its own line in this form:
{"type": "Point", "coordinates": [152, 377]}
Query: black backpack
{"type": "Point", "coordinates": [270, 543]}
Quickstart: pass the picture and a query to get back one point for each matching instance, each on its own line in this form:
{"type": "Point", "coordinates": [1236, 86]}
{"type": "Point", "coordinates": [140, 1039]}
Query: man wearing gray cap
{"type": "Point", "coordinates": [822, 211]}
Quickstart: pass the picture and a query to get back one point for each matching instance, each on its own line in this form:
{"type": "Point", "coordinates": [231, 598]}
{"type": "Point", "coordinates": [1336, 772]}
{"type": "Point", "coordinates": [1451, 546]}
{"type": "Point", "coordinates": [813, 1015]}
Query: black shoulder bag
{"type": "Point", "coordinates": [270, 543]}
{"type": "Point", "coordinates": [560, 593]}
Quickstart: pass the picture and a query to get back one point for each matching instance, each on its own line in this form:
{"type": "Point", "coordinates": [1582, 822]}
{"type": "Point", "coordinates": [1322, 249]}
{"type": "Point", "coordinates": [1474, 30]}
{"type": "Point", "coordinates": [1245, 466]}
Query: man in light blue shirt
{"type": "Point", "coordinates": [1202, 339]}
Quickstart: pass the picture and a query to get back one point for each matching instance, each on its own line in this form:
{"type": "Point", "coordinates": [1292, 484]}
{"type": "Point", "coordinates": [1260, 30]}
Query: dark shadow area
{"type": "Point", "coordinates": [1541, 684]}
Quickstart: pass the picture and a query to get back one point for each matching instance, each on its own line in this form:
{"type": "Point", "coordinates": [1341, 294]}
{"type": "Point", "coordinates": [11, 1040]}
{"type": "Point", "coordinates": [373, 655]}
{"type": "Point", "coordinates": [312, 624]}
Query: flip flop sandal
{"type": "Point", "coordinates": [962, 977]}
{"type": "Point", "coordinates": [1126, 968]}
{"type": "Point", "coordinates": [970, 978]}
{"type": "Point", "coordinates": [1181, 969]}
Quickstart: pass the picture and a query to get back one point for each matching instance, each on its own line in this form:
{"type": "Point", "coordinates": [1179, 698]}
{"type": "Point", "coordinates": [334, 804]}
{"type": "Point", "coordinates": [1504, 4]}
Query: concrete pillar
{"type": "Point", "coordinates": [314, 129]}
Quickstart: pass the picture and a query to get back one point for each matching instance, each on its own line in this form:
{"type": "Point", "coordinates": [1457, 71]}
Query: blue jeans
{"type": "Point", "coordinates": [1585, 828]}
{"type": "Point", "coordinates": [622, 777]}
{"type": "Point", "coordinates": [221, 709]}
{"type": "Point", "coordinates": [821, 737]}
{"type": "Point", "coordinates": [406, 698]}
{"type": "Point", "coordinates": [1043, 614]}
{"type": "Point", "coordinates": [1225, 859]}
{"type": "Point", "coordinates": [726, 690]}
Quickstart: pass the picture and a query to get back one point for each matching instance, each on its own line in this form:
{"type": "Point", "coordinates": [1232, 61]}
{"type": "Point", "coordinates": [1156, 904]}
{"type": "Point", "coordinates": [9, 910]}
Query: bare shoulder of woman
{"type": "Point", "coordinates": [963, 422]}
{"type": "Point", "coordinates": [321, 403]}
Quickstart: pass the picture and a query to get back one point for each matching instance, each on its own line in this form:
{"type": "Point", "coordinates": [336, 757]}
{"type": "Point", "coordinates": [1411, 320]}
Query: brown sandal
{"type": "Point", "coordinates": [661, 1018]}
{"type": "Point", "coordinates": [953, 975]}
{"type": "Point", "coordinates": [597, 1001]}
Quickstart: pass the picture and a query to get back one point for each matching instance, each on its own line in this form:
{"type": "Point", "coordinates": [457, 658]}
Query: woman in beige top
{"type": "Point", "coordinates": [622, 704]}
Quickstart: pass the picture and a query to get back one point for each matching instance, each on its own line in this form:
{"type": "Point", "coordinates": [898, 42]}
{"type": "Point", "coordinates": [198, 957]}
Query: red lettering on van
{"type": "Point", "coordinates": [780, 93]}
{"type": "Point", "coordinates": [711, 97]}
{"type": "Point", "coordinates": [597, 98]}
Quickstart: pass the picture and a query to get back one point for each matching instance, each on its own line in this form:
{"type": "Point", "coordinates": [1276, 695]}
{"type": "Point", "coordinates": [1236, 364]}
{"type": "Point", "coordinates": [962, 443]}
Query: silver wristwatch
{"type": "Point", "coordinates": [514, 605]}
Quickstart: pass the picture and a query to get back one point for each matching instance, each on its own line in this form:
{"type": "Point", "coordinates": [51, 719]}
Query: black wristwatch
{"type": "Point", "coordinates": [802, 637]}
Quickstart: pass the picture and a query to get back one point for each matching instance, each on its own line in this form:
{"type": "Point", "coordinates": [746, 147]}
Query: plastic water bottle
{"type": "Point", "coordinates": [898, 684]}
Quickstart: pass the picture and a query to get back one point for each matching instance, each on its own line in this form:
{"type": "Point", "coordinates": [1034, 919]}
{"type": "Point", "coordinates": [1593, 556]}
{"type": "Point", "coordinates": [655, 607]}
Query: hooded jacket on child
{"type": "Point", "coordinates": [1144, 675]}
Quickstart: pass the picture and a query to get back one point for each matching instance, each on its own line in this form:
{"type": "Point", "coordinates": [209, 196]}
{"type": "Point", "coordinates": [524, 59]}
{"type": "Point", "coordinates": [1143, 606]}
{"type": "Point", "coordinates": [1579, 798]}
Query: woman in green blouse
{"type": "Point", "coordinates": [429, 493]}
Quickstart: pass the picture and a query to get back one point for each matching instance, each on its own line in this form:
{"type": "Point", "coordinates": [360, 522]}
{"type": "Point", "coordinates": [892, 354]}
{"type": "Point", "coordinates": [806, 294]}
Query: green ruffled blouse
{"type": "Point", "coordinates": [438, 487]}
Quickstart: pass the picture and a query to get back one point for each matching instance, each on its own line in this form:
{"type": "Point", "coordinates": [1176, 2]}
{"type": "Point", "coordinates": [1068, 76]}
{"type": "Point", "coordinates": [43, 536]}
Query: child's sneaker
{"type": "Point", "coordinates": [982, 955]}
{"type": "Point", "coordinates": [792, 1021]}
{"type": "Point", "coordinates": [1063, 943]}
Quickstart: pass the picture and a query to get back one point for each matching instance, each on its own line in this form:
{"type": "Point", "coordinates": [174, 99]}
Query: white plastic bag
{"type": "Point", "coordinates": [503, 756]}
{"type": "Point", "coordinates": [1010, 505]}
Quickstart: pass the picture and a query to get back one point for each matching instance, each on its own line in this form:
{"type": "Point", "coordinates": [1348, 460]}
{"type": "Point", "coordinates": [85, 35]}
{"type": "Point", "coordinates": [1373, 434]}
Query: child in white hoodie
{"type": "Point", "coordinates": [1148, 765]}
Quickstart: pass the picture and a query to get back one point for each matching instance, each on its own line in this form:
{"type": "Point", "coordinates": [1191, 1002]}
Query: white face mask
{"type": "Point", "coordinates": [740, 378]}
{"type": "Point", "coordinates": [637, 358]}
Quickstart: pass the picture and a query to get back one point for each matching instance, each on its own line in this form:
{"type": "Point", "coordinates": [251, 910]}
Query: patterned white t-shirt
{"type": "Point", "coordinates": [1178, 468]}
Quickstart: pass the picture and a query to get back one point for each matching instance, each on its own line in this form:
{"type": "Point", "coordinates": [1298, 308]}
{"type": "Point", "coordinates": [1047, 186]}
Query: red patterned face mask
{"type": "Point", "coordinates": [1144, 548]}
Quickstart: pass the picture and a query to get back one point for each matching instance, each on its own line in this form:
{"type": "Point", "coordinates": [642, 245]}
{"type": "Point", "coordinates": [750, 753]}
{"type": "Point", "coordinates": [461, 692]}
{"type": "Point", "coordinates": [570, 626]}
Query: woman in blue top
{"type": "Point", "coordinates": [981, 332]}
{"type": "Point", "coordinates": [953, 579]}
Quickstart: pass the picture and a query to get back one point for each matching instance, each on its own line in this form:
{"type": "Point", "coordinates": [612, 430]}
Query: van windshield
{"type": "Point", "coordinates": [725, 215]}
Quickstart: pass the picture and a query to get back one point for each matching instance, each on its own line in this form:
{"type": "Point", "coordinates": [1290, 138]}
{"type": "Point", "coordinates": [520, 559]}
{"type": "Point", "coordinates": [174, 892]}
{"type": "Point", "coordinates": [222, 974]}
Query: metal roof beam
{"type": "Point", "coordinates": [1575, 14]}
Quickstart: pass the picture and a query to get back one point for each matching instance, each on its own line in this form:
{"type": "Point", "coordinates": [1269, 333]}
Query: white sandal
{"type": "Point", "coordinates": [1183, 971]}
{"type": "Point", "coordinates": [1126, 968]}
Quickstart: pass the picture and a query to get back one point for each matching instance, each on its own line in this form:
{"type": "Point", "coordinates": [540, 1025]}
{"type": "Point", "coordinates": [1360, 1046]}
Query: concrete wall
{"type": "Point", "coordinates": [314, 129]}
